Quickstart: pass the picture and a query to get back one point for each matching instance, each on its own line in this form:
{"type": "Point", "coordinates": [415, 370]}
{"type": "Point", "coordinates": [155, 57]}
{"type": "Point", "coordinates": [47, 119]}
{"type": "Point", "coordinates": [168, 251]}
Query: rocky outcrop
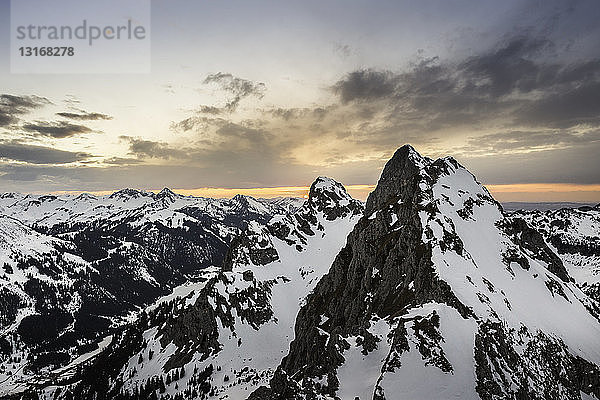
{"type": "Point", "coordinates": [327, 198]}
{"type": "Point", "coordinates": [574, 234]}
{"type": "Point", "coordinates": [331, 198]}
{"type": "Point", "coordinates": [75, 268]}
{"type": "Point", "coordinates": [532, 242]}
{"type": "Point", "coordinates": [252, 246]}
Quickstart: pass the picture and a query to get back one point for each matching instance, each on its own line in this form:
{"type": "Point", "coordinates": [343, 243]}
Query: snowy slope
{"type": "Point", "coordinates": [229, 331]}
{"type": "Point", "coordinates": [138, 206]}
{"type": "Point", "coordinates": [75, 268]}
{"type": "Point", "coordinates": [37, 298]}
{"type": "Point", "coordinates": [252, 346]}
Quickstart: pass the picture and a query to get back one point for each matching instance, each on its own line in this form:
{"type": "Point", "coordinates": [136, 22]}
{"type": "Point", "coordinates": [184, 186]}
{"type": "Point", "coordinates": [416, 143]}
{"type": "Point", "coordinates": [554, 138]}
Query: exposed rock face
{"type": "Point", "coordinates": [253, 246]}
{"type": "Point", "coordinates": [573, 234]}
{"type": "Point", "coordinates": [327, 199]}
{"type": "Point", "coordinates": [432, 269]}
{"type": "Point", "coordinates": [330, 197]}
{"type": "Point", "coordinates": [530, 240]}
{"type": "Point", "coordinates": [371, 275]}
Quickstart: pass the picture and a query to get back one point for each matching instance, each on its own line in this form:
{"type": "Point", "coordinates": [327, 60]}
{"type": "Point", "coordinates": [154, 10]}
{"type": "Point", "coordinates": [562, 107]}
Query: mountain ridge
{"type": "Point", "coordinates": [161, 229]}
{"type": "Point", "coordinates": [429, 281]}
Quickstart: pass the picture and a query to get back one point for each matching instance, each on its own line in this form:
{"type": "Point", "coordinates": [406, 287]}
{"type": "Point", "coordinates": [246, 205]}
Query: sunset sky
{"type": "Point", "coordinates": [271, 94]}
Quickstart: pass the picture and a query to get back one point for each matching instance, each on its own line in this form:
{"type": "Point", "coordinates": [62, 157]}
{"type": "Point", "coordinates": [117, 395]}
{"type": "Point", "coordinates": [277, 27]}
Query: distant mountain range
{"type": "Point", "coordinates": [542, 206]}
{"type": "Point", "coordinates": [429, 290]}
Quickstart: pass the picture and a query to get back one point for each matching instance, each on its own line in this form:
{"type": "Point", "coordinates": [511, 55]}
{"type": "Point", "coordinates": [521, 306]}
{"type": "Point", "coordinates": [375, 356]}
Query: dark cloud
{"type": "Point", "coordinates": [148, 148]}
{"type": "Point", "coordinates": [84, 116]}
{"type": "Point", "coordinates": [57, 130]}
{"type": "Point", "coordinates": [7, 119]}
{"type": "Point", "coordinates": [523, 107]}
{"type": "Point", "coordinates": [186, 124]}
{"type": "Point", "coordinates": [578, 165]}
{"type": "Point", "coordinates": [228, 152]}
{"type": "Point", "coordinates": [198, 123]}
{"type": "Point", "coordinates": [521, 80]}
{"type": "Point", "coordinates": [512, 142]}
{"type": "Point", "coordinates": [510, 67]}
{"type": "Point", "coordinates": [367, 84]}
{"type": "Point", "coordinates": [238, 136]}
{"type": "Point", "coordinates": [17, 151]}
{"type": "Point", "coordinates": [22, 104]}
{"type": "Point", "coordinates": [521, 97]}
{"type": "Point", "coordinates": [11, 107]}
{"type": "Point", "coordinates": [239, 88]}
{"type": "Point", "coordinates": [580, 105]}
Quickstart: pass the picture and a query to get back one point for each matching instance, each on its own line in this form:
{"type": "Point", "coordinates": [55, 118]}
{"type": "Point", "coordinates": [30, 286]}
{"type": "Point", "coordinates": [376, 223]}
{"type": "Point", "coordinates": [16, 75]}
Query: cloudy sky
{"type": "Point", "coordinates": [271, 94]}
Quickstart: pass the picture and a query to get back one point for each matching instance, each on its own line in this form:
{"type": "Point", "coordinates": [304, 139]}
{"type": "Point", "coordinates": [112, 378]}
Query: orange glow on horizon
{"type": "Point", "coordinates": [548, 192]}
{"type": "Point", "coordinates": [543, 188]}
{"type": "Point", "coordinates": [356, 191]}
{"type": "Point", "coordinates": [526, 192]}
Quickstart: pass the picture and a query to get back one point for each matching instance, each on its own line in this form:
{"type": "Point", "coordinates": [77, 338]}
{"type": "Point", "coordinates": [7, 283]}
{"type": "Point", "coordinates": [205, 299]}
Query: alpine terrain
{"type": "Point", "coordinates": [429, 290]}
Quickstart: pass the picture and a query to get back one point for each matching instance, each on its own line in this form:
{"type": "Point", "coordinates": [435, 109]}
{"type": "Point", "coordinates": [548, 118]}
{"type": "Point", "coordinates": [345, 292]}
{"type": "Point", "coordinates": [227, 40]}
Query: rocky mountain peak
{"type": "Point", "coordinates": [242, 200]}
{"type": "Point", "coordinates": [128, 193]}
{"type": "Point", "coordinates": [435, 284]}
{"type": "Point", "coordinates": [433, 254]}
{"type": "Point", "coordinates": [86, 196]}
{"type": "Point", "coordinates": [9, 195]}
{"type": "Point", "coordinates": [328, 200]}
{"type": "Point", "coordinates": [328, 188]}
{"type": "Point", "coordinates": [398, 178]}
{"type": "Point", "coordinates": [248, 204]}
{"type": "Point", "coordinates": [331, 198]}
{"type": "Point", "coordinates": [166, 193]}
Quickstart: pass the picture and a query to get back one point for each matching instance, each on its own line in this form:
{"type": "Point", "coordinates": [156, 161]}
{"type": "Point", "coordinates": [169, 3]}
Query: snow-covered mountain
{"type": "Point", "coordinates": [226, 334]}
{"type": "Point", "coordinates": [439, 294]}
{"type": "Point", "coordinates": [429, 291]}
{"type": "Point", "coordinates": [75, 268]}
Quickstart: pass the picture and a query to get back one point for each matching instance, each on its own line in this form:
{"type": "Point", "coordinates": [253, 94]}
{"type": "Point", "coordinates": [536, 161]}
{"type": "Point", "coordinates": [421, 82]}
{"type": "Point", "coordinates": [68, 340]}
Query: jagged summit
{"type": "Point", "coordinates": [398, 178]}
{"type": "Point", "coordinates": [249, 204]}
{"type": "Point", "coordinates": [129, 193]}
{"type": "Point", "coordinates": [166, 192]}
{"type": "Point", "coordinates": [330, 197]}
{"type": "Point", "coordinates": [166, 195]}
{"type": "Point", "coordinates": [328, 201]}
{"type": "Point", "coordinates": [405, 176]}
{"type": "Point", "coordinates": [86, 196]}
{"type": "Point", "coordinates": [328, 187]}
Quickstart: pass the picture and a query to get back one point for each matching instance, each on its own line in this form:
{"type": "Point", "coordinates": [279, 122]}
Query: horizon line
{"type": "Point", "coordinates": [521, 192]}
